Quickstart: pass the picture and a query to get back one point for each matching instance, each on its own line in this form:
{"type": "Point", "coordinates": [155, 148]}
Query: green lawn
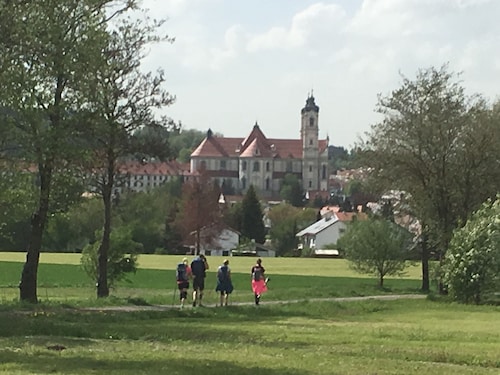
{"type": "Point", "coordinates": [61, 279]}
{"type": "Point", "coordinates": [357, 337]}
{"type": "Point", "coordinates": [373, 337]}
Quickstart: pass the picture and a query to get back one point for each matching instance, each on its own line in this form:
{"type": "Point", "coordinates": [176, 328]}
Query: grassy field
{"type": "Point", "coordinates": [61, 279]}
{"type": "Point", "coordinates": [356, 337]}
{"type": "Point", "coordinates": [373, 337]}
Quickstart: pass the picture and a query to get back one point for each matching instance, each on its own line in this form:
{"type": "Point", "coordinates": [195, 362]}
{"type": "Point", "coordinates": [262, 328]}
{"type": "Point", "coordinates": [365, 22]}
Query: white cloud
{"type": "Point", "coordinates": [316, 21]}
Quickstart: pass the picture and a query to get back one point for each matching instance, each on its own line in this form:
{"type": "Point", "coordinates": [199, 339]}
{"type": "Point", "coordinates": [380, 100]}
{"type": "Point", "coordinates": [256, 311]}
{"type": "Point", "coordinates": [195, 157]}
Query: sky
{"type": "Point", "coordinates": [234, 63]}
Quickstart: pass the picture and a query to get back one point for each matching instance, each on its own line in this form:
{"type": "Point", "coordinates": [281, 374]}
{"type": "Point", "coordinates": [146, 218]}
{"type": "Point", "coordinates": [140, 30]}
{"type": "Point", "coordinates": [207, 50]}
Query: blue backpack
{"type": "Point", "coordinates": [181, 272]}
{"type": "Point", "coordinates": [222, 274]}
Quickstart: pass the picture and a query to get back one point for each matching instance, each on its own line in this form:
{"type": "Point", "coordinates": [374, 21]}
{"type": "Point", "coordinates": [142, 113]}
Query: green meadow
{"type": "Point", "coordinates": [70, 332]}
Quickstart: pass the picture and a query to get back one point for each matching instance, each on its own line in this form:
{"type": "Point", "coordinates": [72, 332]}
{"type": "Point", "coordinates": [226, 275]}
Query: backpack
{"type": "Point", "coordinates": [181, 272]}
{"type": "Point", "coordinates": [222, 274]}
{"type": "Point", "coordinates": [198, 267]}
{"type": "Point", "coordinates": [257, 273]}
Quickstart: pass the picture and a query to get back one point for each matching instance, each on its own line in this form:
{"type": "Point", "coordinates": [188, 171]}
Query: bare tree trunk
{"type": "Point", "coordinates": [29, 276]}
{"type": "Point", "coordinates": [102, 272]}
{"type": "Point", "coordinates": [425, 264]}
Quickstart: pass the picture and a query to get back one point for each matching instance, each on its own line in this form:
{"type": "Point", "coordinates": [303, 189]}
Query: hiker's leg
{"type": "Point", "coordinates": [226, 297]}
{"type": "Point", "coordinates": [221, 298]}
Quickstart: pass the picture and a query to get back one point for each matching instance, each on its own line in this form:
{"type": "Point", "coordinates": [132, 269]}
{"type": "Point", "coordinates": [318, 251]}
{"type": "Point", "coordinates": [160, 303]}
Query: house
{"type": "Point", "coordinates": [237, 163]}
{"type": "Point", "coordinates": [255, 249]}
{"type": "Point", "coordinates": [224, 240]}
{"type": "Point", "coordinates": [328, 229]}
{"type": "Point", "coordinates": [140, 176]}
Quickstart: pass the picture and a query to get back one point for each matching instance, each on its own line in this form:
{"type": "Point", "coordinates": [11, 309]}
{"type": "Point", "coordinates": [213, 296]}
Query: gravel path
{"type": "Point", "coordinates": [389, 297]}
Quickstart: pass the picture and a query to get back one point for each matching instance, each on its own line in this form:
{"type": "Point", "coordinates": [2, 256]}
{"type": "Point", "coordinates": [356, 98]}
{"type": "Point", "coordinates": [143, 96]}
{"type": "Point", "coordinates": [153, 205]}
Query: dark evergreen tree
{"type": "Point", "coordinates": [252, 225]}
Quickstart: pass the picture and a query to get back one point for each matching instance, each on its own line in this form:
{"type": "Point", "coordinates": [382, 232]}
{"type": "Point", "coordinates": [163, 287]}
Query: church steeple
{"type": "Point", "coordinates": [309, 133]}
{"type": "Point", "coordinates": [310, 105]}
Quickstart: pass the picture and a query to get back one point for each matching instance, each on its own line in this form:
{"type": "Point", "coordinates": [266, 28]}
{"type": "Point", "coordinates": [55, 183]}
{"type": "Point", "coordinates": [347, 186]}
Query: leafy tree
{"type": "Point", "coordinates": [17, 199]}
{"type": "Point", "coordinates": [252, 225]}
{"type": "Point", "coordinates": [233, 216]}
{"type": "Point", "coordinates": [122, 257]}
{"type": "Point", "coordinates": [376, 246]}
{"type": "Point", "coordinates": [184, 141]}
{"type": "Point", "coordinates": [122, 102]}
{"type": "Point", "coordinates": [286, 221]}
{"type": "Point", "coordinates": [72, 230]}
{"type": "Point", "coordinates": [472, 266]}
{"type": "Point", "coordinates": [440, 147]}
{"type": "Point", "coordinates": [199, 210]}
{"type": "Point", "coordinates": [47, 50]}
{"type": "Point", "coordinates": [291, 190]}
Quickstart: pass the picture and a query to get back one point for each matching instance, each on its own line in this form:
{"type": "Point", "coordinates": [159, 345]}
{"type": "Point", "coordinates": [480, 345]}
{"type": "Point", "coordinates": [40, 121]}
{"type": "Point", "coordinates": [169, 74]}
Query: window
{"type": "Point", "coordinates": [223, 165]}
{"type": "Point", "coordinates": [323, 172]}
{"type": "Point", "coordinates": [244, 165]}
{"type": "Point", "coordinates": [243, 183]}
{"type": "Point", "coordinates": [268, 183]}
{"type": "Point", "coordinates": [310, 142]}
{"type": "Point", "coordinates": [310, 184]}
{"type": "Point", "coordinates": [268, 167]}
{"type": "Point", "coordinates": [203, 164]}
{"type": "Point", "coordinates": [289, 166]}
{"type": "Point", "coordinates": [311, 121]}
{"type": "Point", "coordinates": [310, 168]}
{"type": "Point", "coordinates": [256, 166]}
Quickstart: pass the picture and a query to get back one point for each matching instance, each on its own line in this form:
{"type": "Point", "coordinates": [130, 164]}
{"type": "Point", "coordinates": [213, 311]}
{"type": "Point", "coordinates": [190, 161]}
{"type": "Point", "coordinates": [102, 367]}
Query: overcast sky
{"type": "Point", "coordinates": [235, 62]}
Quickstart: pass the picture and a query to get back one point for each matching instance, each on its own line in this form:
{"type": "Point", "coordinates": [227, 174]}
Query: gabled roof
{"type": "Point", "coordinates": [318, 226]}
{"type": "Point", "coordinates": [256, 144]}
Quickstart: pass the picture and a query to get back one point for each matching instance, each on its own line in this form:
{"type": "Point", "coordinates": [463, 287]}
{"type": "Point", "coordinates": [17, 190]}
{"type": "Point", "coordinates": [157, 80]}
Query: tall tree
{"type": "Point", "coordinates": [291, 190]}
{"type": "Point", "coordinates": [441, 147]}
{"type": "Point", "coordinates": [47, 47]}
{"type": "Point", "coordinates": [122, 99]}
{"type": "Point", "coordinates": [252, 225]}
{"type": "Point", "coordinates": [286, 221]}
{"type": "Point", "coordinates": [199, 213]}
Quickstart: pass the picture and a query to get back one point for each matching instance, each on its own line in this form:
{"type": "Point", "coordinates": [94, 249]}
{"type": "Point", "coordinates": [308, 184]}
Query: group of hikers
{"type": "Point", "coordinates": [197, 272]}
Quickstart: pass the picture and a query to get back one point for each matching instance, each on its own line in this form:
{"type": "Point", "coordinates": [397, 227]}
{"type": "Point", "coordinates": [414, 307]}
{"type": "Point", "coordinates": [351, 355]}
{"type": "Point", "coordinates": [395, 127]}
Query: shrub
{"type": "Point", "coordinates": [122, 256]}
{"type": "Point", "coordinates": [472, 263]}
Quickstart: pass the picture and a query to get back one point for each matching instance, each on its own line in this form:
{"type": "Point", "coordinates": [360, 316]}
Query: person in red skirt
{"type": "Point", "coordinates": [258, 280]}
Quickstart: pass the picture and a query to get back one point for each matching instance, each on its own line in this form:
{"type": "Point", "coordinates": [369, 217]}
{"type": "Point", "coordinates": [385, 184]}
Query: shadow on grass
{"type": "Point", "coordinates": [48, 362]}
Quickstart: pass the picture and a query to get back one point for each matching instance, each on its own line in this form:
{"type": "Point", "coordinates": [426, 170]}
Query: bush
{"type": "Point", "coordinates": [472, 263]}
{"type": "Point", "coordinates": [122, 256]}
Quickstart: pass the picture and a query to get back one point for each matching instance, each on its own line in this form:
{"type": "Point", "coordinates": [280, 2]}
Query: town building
{"type": "Point", "coordinates": [237, 163]}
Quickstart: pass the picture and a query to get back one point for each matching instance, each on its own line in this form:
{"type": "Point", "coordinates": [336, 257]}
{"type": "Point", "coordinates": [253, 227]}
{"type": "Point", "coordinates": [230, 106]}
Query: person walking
{"type": "Point", "coordinates": [258, 280]}
{"type": "Point", "coordinates": [224, 283]}
{"type": "Point", "coordinates": [183, 274]}
{"type": "Point", "coordinates": [199, 267]}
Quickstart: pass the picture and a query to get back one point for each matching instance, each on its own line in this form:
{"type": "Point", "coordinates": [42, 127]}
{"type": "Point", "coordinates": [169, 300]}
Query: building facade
{"type": "Point", "coordinates": [237, 163]}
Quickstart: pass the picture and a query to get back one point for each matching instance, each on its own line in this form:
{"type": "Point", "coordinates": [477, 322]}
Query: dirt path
{"type": "Point", "coordinates": [389, 297]}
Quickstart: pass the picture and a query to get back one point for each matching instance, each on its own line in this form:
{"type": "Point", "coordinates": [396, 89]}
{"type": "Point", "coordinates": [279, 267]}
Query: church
{"type": "Point", "coordinates": [237, 163]}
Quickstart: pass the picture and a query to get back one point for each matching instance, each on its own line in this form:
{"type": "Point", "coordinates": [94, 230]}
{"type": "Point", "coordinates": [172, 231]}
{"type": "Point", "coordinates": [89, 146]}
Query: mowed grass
{"type": "Point", "coordinates": [371, 337]}
{"type": "Point", "coordinates": [328, 337]}
{"type": "Point", "coordinates": [61, 279]}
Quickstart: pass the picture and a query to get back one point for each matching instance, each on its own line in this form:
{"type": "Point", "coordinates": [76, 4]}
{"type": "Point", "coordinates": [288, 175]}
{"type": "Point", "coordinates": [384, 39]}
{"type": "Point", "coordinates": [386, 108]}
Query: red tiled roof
{"type": "Point", "coordinates": [254, 145]}
{"type": "Point", "coordinates": [348, 216]}
{"type": "Point", "coordinates": [172, 168]}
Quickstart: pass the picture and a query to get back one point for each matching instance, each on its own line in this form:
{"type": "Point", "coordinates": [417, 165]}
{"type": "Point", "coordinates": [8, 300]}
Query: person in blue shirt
{"type": "Point", "coordinates": [224, 283]}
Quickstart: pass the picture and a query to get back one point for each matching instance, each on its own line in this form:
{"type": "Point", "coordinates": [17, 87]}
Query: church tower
{"type": "Point", "coordinates": [309, 132]}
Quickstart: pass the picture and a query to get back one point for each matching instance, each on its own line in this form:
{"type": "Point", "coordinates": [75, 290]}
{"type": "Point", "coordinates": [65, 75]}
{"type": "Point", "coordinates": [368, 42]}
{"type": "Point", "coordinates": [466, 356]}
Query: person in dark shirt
{"type": "Point", "coordinates": [224, 283]}
{"type": "Point", "coordinates": [199, 267]}
{"type": "Point", "coordinates": [259, 285]}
